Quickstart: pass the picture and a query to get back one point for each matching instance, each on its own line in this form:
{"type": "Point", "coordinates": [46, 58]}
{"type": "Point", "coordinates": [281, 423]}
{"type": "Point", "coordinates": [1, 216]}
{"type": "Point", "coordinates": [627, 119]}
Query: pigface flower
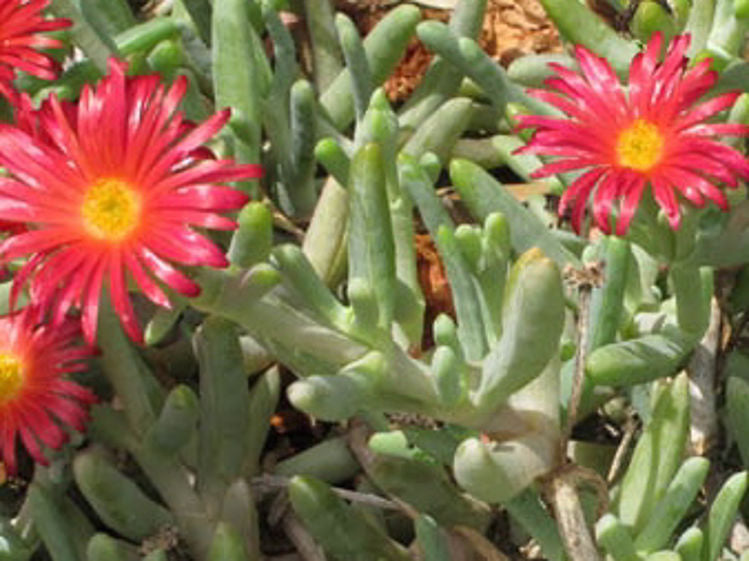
{"type": "Point", "coordinates": [653, 133]}
{"type": "Point", "coordinates": [113, 188]}
{"type": "Point", "coordinates": [21, 21]}
{"type": "Point", "coordinates": [36, 398]}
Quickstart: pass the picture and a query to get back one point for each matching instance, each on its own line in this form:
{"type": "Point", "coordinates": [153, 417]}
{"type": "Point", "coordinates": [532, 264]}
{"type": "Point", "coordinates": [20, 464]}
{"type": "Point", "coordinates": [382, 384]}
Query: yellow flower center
{"type": "Point", "coordinates": [639, 146]}
{"type": "Point", "coordinates": [111, 209]}
{"type": "Point", "coordinates": [11, 376]}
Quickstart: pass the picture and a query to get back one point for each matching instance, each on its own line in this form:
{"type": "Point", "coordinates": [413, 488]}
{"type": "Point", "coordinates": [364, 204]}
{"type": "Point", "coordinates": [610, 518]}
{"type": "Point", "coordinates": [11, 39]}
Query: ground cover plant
{"type": "Point", "coordinates": [268, 295]}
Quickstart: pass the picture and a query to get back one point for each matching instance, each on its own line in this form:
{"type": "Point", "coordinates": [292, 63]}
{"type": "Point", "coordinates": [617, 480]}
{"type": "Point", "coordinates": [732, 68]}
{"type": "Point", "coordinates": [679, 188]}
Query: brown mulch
{"type": "Point", "coordinates": [513, 28]}
{"type": "Point", "coordinates": [434, 285]}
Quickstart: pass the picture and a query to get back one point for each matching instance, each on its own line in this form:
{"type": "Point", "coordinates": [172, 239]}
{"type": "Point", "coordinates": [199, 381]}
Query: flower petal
{"type": "Point", "coordinates": [628, 206]}
{"type": "Point", "coordinates": [666, 199]}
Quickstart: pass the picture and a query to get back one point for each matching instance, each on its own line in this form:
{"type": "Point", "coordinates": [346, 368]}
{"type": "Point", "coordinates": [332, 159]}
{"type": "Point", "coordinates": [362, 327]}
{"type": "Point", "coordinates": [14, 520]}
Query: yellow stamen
{"type": "Point", "coordinates": [11, 376]}
{"type": "Point", "coordinates": [110, 209]}
{"type": "Point", "coordinates": [639, 146]}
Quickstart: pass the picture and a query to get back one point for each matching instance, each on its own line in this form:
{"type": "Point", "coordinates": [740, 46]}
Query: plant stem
{"type": "Point", "coordinates": [569, 515]}
{"type": "Point", "coordinates": [580, 358]}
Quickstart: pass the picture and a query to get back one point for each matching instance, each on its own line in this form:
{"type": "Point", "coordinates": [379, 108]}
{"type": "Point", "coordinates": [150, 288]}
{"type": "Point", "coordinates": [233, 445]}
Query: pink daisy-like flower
{"type": "Point", "coordinates": [113, 187]}
{"type": "Point", "coordinates": [21, 21]}
{"type": "Point", "coordinates": [653, 133]}
{"type": "Point", "coordinates": [36, 398]}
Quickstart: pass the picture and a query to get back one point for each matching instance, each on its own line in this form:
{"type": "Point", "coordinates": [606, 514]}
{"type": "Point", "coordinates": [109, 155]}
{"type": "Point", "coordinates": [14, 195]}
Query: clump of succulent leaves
{"type": "Point", "coordinates": [583, 396]}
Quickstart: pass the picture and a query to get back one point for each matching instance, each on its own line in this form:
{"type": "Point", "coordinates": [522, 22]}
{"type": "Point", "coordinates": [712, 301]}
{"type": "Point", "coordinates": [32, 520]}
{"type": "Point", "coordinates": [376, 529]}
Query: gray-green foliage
{"type": "Point", "coordinates": [344, 309]}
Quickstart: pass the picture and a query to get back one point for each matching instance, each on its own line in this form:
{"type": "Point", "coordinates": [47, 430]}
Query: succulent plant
{"type": "Point", "coordinates": [433, 423]}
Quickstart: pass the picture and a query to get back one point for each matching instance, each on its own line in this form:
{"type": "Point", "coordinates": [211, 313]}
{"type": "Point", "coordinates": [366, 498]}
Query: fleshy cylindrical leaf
{"type": "Point", "coordinates": [532, 322]}
{"type": "Point", "coordinates": [117, 500]}
{"type": "Point", "coordinates": [343, 531]}
{"type": "Point", "coordinates": [670, 510]}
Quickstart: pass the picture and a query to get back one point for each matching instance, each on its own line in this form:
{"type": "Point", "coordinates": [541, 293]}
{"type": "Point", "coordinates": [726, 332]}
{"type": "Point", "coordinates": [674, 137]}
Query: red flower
{"type": "Point", "coordinates": [20, 25]}
{"type": "Point", "coordinates": [653, 134]}
{"type": "Point", "coordinates": [36, 399]}
{"type": "Point", "coordinates": [111, 188]}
